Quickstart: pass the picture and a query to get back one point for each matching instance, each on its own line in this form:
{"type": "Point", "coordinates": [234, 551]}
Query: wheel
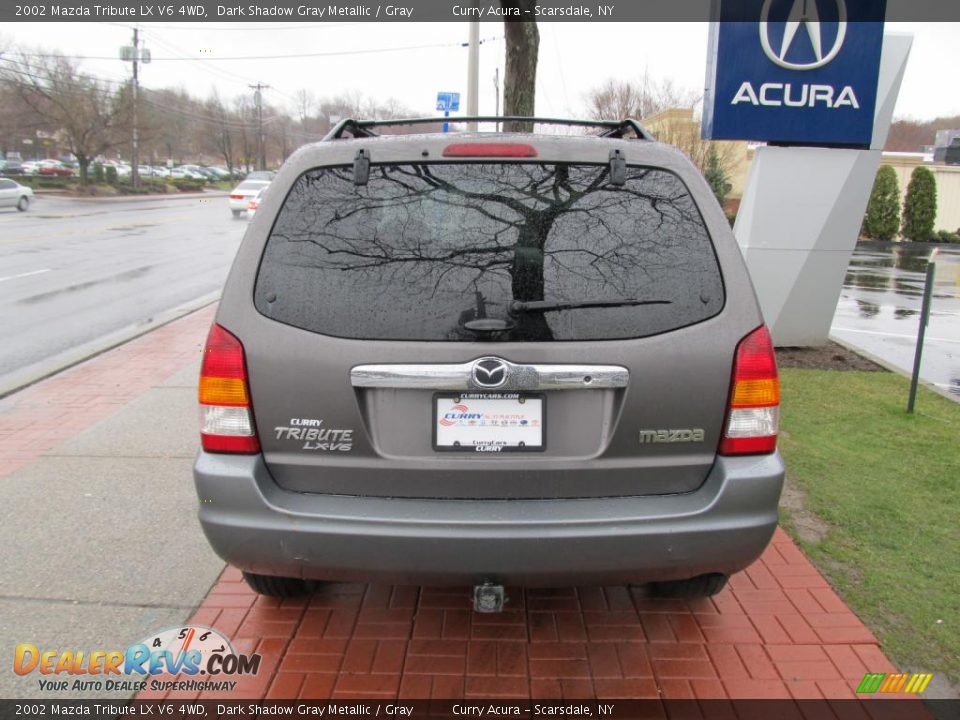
{"type": "Point", "coordinates": [23, 203]}
{"type": "Point", "coordinates": [695, 587]}
{"type": "Point", "coordinates": [275, 586]}
{"type": "Point", "coordinates": [236, 213]}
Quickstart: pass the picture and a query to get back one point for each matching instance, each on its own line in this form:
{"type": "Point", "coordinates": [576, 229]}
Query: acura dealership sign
{"type": "Point", "coordinates": [794, 71]}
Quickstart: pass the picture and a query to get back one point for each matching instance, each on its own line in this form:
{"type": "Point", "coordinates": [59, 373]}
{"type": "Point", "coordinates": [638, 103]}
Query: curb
{"type": "Point", "coordinates": [131, 198]}
{"type": "Point", "coordinates": [886, 365]}
{"type": "Point", "coordinates": [24, 377]}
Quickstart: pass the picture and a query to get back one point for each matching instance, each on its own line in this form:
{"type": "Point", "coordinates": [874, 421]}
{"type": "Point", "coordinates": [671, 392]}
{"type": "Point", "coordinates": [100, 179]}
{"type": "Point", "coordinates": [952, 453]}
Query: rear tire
{"type": "Point", "coordinates": [696, 587]}
{"type": "Point", "coordinates": [275, 586]}
{"type": "Point", "coordinates": [23, 203]}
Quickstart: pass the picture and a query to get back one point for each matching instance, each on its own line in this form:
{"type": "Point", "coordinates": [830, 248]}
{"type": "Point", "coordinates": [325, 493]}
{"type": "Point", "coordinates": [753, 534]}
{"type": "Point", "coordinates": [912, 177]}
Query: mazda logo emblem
{"type": "Point", "coordinates": [803, 14]}
{"type": "Point", "coordinates": [489, 372]}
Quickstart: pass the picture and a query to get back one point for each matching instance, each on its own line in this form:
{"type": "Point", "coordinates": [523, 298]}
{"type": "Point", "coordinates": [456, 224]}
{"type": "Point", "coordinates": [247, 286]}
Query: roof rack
{"type": "Point", "coordinates": [612, 128]}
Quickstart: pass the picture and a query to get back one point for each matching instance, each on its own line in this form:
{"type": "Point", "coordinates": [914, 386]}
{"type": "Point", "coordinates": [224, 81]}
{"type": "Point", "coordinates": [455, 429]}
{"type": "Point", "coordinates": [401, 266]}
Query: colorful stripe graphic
{"type": "Point", "coordinates": [914, 683]}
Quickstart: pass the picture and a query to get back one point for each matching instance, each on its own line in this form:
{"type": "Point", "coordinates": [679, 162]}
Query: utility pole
{"type": "Point", "coordinates": [135, 55]}
{"type": "Point", "coordinates": [258, 99]}
{"type": "Point", "coordinates": [473, 73]}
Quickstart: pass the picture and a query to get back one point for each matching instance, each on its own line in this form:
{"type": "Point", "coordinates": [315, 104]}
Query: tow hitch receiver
{"type": "Point", "coordinates": [488, 598]}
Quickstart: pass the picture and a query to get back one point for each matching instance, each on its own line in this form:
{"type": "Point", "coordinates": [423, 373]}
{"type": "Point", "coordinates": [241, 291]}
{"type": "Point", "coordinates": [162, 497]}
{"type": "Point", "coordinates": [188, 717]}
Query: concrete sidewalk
{"type": "Point", "coordinates": [101, 543]}
{"type": "Point", "coordinates": [102, 547]}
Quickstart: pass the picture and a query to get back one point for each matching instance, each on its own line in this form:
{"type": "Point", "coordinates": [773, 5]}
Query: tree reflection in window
{"type": "Point", "coordinates": [422, 250]}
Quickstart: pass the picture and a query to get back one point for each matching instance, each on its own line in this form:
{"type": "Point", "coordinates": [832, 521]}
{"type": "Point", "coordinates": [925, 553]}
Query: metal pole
{"type": "Point", "coordinates": [473, 73]}
{"type": "Point", "coordinates": [135, 167]}
{"type": "Point", "coordinates": [263, 152]}
{"type": "Point", "coordinates": [924, 319]}
{"type": "Point", "coordinates": [496, 89]}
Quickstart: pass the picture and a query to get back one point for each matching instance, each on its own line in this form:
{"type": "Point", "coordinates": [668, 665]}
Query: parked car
{"type": "Point", "coordinates": [13, 194]}
{"type": "Point", "coordinates": [11, 167]}
{"type": "Point", "coordinates": [185, 173]}
{"type": "Point", "coordinates": [30, 167]}
{"type": "Point", "coordinates": [54, 168]}
{"type": "Point", "coordinates": [489, 359]}
{"type": "Point", "coordinates": [241, 195]}
{"type": "Point", "coordinates": [198, 172]}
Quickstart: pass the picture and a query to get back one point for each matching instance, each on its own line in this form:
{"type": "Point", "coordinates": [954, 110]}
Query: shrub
{"type": "Point", "coordinates": [111, 175]}
{"type": "Point", "coordinates": [716, 175]}
{"type": "Point", "coordinates": [920, 206]}
{"type": "Point", "coordinates": [945, 236]}
{"type": "Point", "coordinates": [882, 219]}
{"type": "Point", "coordinates": [188, 185]}
{"type": "Point", "coordinates": [98, 175]}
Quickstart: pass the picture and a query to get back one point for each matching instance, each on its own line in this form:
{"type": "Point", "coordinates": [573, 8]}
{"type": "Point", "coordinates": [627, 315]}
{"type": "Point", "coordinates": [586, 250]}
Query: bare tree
{"type": "Point", "coordinates": [91, 117]}
{"type": "Point", "coordinates": [520, 70]}
{"type": "Point", "coordinates": [618, 99]}
{"type": "Point", "coordinates": [222, 131]}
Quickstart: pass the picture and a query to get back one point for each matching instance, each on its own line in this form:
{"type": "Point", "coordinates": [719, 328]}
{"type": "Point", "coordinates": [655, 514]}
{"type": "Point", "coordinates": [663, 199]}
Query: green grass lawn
{"type": "Point", "coordinates": [887, 485]}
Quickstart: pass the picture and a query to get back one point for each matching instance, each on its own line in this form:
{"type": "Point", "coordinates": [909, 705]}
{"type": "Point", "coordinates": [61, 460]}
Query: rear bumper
{"type": "Point", "coordinates": [255, 525]}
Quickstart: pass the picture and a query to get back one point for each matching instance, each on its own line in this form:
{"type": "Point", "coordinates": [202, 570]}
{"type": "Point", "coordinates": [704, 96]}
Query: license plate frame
{"type": "Point", "coordinates": [485, 398]}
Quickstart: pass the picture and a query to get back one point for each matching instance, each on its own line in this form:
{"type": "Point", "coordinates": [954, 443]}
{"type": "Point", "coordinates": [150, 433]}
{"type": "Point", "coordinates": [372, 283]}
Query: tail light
{"type": "Point", "coordinates": [226, 415]}
{"type": "Point", "coordinates": [753, 415]}
{"type": "Point", "coordinates": [236, 197]}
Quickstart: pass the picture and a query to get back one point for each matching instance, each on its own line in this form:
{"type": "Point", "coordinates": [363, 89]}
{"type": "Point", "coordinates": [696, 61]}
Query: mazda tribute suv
{"type": "Point", "coordinates": [489, 359]}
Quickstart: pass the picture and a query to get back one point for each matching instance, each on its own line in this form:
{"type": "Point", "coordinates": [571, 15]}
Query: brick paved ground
{"type": "Point", "coordinates": [46, 414]}
{"type": "Point", "coordinates": [777, 631]}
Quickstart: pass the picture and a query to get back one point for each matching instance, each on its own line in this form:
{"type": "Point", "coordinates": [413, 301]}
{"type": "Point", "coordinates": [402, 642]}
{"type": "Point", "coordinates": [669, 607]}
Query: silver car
{"type": "Point", "coordinates": [13, 194]}
{"type": "Point", "coordinates": [489, 359]}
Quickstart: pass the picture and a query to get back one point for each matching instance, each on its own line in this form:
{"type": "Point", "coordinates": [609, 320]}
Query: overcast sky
{"type": "Point", "coordinates": [364, 57]}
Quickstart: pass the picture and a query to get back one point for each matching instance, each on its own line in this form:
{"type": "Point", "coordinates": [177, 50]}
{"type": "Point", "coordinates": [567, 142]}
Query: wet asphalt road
{"type": "Point", "coordinates": [76, 274]}
{"type": "Point", "coordinates": [879, 309]}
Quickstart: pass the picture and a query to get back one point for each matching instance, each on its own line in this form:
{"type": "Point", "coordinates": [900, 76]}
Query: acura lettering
{"type": "Point", "coordinates": [785, 94]}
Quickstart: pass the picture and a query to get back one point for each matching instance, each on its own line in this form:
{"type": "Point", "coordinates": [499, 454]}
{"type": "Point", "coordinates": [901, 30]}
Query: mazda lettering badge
{"type": "Point", "coordinates": [489, 372]}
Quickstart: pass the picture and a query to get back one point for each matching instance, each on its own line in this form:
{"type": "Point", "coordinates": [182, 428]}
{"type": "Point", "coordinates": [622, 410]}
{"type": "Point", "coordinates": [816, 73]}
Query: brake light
{"type": "Point", "coordinates": [226, 414]}
{"type": "Point", "coordinates": [488, 149]}
{"type": "Point", "coordinates": [753, 415]}
{"type": "Point", "coordinates": [236, 197]}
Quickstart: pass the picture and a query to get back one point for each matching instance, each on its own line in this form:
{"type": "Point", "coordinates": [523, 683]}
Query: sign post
{"type": "Point", "coordinates": [817, 81]}
{"type": "Point", "coordinates": [447, 101]}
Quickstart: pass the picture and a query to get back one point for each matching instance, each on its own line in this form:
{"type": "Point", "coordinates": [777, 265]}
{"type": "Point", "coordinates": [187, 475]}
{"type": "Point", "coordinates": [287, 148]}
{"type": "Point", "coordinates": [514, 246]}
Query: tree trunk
{"type": "Point", "coordinates": [84, 163]}
{"type": "Point", "coordinates": [520, 73]}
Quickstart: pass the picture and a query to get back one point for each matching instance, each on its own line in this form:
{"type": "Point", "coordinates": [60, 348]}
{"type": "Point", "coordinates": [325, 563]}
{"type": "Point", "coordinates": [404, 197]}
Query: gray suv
{"type": "Point", "coordinates": [488, 359]}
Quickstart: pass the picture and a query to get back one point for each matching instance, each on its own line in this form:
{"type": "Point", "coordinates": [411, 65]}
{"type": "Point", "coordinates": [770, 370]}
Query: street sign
{"type": "Point", "coordinates": [794, 71]}
{"type": "Point", "coordinates": [448, 101]}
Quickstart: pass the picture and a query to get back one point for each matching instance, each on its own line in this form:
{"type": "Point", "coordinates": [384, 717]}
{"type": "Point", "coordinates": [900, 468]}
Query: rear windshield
{"type": "Point", "coordinates": [489, 251]}
{"type": "Point", "coordinates": [254, 185]}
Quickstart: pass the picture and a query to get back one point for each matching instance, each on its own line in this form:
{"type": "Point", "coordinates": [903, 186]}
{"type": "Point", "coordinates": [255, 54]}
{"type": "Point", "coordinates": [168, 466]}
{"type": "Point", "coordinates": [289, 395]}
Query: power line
{"type": "Point", "coordinates": [295, 56]}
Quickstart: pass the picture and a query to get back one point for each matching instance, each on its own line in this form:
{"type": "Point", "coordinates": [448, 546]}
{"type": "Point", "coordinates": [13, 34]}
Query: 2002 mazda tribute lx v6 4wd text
{"type": "Point", "coordinates": [489, 359]}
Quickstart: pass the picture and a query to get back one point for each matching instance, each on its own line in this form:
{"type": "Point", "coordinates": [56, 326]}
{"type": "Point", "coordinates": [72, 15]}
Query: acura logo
{"type": "Point", "coordinates": [805, 13]}
{"type": "Point", "coordinates": [489, 372]}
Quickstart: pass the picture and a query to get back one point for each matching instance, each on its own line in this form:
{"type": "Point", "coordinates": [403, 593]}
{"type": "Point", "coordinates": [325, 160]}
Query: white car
{"type": "Point", "coordinates": [241, 195]}
{"type": "Point", "coordinates": [185, 173]}
{"type": "Point", "coordinates": [13, 194]}
{"type": "Point", "coordinates": [254, 204]}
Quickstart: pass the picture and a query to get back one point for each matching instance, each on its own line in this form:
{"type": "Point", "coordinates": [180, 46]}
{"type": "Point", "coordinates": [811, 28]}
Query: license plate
{"type": "Point", "coordinates": [488, 423]}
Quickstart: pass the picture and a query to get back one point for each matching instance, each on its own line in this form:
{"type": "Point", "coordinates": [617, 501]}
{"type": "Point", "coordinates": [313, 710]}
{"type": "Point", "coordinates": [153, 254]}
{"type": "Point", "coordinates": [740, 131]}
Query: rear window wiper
{"type": "Point", "coordinates": [518, 306]}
